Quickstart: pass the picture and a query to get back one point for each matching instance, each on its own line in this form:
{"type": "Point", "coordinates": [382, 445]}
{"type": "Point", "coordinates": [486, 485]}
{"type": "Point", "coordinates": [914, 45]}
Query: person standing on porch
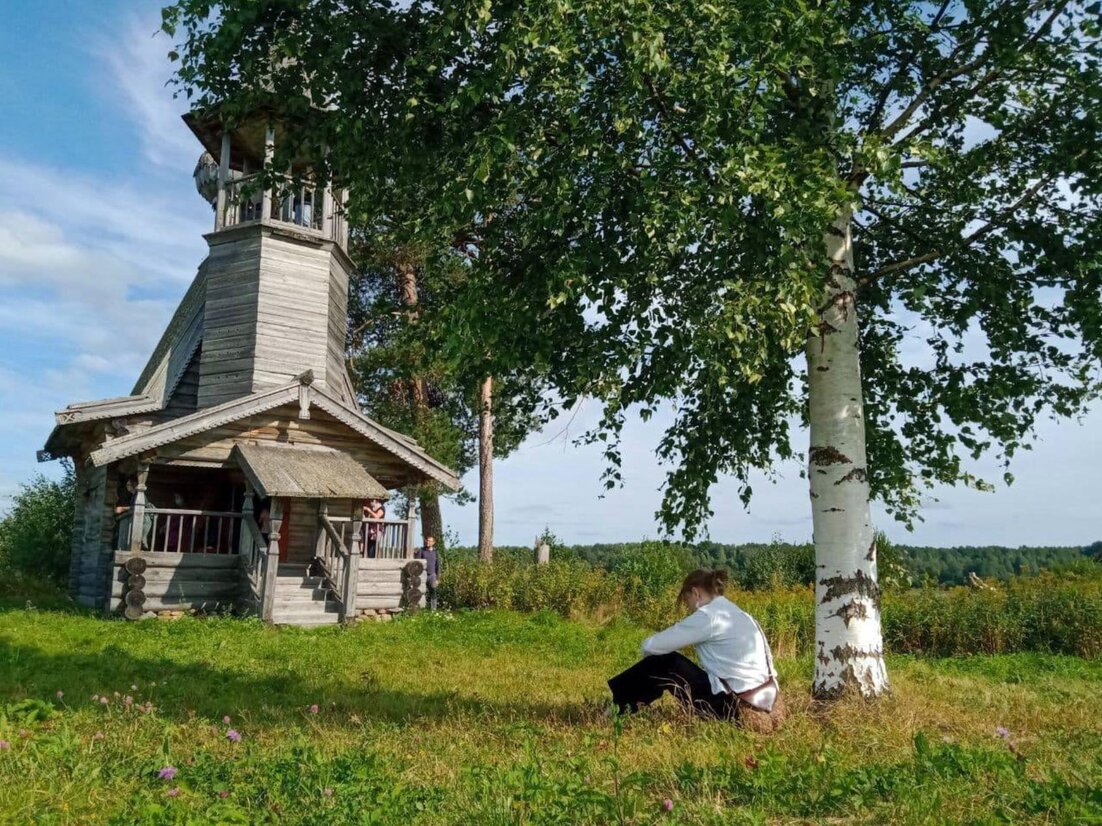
{"type": "Point", "coordinates": [374, 509]}
{"type": "Point", "coordinates": [735, 680]}
{"type": "Point", "coordinates": [432, 569]}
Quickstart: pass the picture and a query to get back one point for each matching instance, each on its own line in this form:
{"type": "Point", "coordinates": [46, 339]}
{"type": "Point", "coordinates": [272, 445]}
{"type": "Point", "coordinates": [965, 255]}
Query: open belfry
{"type": "Point", "coordinates": [234, 475]}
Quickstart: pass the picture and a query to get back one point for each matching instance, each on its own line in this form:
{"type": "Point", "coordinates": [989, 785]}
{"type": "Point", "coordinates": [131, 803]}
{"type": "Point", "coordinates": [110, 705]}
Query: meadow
{"type": "Point", "coordinates": [498, 717]}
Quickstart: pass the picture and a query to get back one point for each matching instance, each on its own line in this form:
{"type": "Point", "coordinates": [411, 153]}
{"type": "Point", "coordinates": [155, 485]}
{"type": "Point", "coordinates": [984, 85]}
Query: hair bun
{"type": "Point", "coordinates": [719, 580]}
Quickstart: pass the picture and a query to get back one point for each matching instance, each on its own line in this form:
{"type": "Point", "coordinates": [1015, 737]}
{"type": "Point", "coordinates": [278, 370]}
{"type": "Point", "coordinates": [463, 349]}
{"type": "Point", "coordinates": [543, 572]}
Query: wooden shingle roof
{"type": "Point", "coordinates": [306, 472]}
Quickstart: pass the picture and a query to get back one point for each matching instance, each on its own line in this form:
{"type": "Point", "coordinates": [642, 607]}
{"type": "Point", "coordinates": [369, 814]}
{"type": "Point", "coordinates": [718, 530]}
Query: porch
{"type": "Point", "coordinates": [290, 544]}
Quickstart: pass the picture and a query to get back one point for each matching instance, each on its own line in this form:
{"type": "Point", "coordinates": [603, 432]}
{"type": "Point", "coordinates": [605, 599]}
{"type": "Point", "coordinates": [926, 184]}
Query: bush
{"type": "Point", "coordinates": [36, 534]}
{"type": "Point", "coordinates": [1057, 614]}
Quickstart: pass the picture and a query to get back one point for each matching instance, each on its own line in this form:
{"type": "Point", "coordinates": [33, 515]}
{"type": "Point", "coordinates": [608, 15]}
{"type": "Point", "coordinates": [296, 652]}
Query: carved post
{"type": "Point", "coordinates": [323, 537]}
{"type": "Point", "coordinates": [271, 563]}
{"type": "Point", "coordinates": [266, 194]}
{"type": "Point", "coordinates": [137, 520]}
{"type": "Point", "coordinates": [327, 212]}
{"type": "Point", "coordinates": [244, 534]}
{"type": "Point", "coordinates": [352, 571]}
{"type": "Point", "coordinates": [411, 524]}
{"type": "Point", "coordinates": [220, 204]}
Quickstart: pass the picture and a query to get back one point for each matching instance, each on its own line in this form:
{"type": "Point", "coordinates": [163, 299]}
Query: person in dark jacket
{"type": "Point", "coordinates": [432, 568]}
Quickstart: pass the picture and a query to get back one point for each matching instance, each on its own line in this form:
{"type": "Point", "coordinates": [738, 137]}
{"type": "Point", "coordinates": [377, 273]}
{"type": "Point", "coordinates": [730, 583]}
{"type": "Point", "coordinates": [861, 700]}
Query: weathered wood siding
{"type": "Point", "coordinates": [283, 425]}
{"type": "Point", "coordinates": [185, 398]}
{"type": "Point", "coordinates": [229, 319]}
{"type": "Point", "coordinates": [180, 582]}
{"type": "Point", "coordinates": [276, 306]}
{"type": "Point", "coordinates": [302, 536]}
{"type": "Point", "coordinates": [338, 329]}
{"type": "Point", "coordinates": [292, 312]}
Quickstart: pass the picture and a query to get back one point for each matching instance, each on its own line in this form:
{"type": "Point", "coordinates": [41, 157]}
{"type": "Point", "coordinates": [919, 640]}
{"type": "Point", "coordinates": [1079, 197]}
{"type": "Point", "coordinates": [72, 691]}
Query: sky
{"type": "Point", "coordinates": [101, 232]}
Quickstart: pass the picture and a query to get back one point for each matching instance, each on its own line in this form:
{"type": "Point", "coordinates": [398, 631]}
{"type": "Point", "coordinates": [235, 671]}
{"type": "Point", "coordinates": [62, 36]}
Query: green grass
{"type": "Point", "coordinates": [496, 717]}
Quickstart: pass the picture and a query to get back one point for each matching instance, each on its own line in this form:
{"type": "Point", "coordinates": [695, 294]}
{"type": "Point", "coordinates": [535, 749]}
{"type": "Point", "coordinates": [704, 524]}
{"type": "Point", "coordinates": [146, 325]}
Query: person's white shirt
{"type": "Point", "coordinates": [729, 645]}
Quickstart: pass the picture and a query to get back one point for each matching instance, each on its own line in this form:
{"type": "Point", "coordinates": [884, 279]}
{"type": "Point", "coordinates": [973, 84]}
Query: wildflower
{"type": "Point", "coordinates": [223, 794]}
{"type": "Point", "coordinates": [173, 792]}
{"type": "Point", "coordinates": [99, 735]}
{"type": "Point", "coordinates": [133, 687]}
{"type": "Point", "coordinates": [1003, 732]}
{"type": "Point", "coordinates": [233, 735]}
{"type": "Point", "coordinates": [4, 745]}
{"type": "Point", "coordinates": [327, 792]}
{"type": "Point", "coordinates": [128, 701]}
{"type": "Point", "coordinates": [667, 805]}
{"type": "Point", "coordinates": [24, 734]}
{"type": "Point", "coordinates": [95, 698]}
{"type": "Point", "coordinates": [167, 773]}
{"type": "Point", "coordinates": [226, 719]}
{"type": "Point", "coordinates": [103, 701]}
{"type": "Point", "coordinates": [314, 708]}
{"type": "Point", "coordinates": [60, 694]}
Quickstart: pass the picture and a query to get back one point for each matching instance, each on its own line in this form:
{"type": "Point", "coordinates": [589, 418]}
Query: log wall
{"type": "Point", "coordinates": [181, 582]}
{"type": "Point", "coordinates": [386, 586]}
{"type": "Point", "coordinates": [88, 568]}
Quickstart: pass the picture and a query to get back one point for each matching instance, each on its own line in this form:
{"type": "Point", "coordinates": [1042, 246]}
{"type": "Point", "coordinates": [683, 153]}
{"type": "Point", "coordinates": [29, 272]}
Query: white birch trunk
{"type": "Point", "coordinates": [486, 472]}
{"type": "Point", "coordinates": [849, 655]}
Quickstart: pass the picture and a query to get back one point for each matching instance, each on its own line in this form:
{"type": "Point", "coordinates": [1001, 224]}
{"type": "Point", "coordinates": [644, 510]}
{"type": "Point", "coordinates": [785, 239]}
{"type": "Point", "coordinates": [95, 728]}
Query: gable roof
{"type": "Point", "coordinates": [302, 471]}
{"type": "Point", "coordinates": [301, 391]}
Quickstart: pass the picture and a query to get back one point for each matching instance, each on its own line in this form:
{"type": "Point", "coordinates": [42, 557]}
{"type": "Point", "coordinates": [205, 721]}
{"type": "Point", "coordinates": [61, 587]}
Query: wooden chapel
{"type": "Point", "coordinates": [234, 475]}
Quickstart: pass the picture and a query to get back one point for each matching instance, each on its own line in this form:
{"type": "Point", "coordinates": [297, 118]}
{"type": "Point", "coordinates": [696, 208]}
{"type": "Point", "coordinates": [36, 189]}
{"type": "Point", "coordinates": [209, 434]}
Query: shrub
{"type": "Point", "coordinates": [36, 534]}
{"type": "Point", "coordinates": [566, 587]}
{"type": "Point", "coordinates": [1048, 613]}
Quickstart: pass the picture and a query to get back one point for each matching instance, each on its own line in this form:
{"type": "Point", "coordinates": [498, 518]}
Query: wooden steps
{"type": "Point", "coordinates": [302, 600]}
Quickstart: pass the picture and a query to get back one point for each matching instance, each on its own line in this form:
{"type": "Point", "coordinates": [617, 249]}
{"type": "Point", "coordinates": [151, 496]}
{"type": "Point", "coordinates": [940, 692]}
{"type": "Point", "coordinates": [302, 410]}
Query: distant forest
{"type": "Point", "coordinates": [757, 565]}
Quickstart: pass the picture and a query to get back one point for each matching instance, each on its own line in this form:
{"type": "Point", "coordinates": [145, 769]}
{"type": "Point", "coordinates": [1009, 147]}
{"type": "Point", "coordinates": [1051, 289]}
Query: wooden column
{"type": "Point", "coordinates": [244, 535]}
{"type": "Point", "coordinates": [221, 205]}
{"type": "Point", "coordinates": [137, 519]}
{"type": "Point", "coordinates": [327, 212]}
{"type": "Point", "coordinates": [266, 195]}
{"type": "Point", "coordinates": [411, 525]}
{"type": "Point", "coordinates": [271, 562]}
{"type": "Point", "coordinates": [352, 569]}
{"type": "Point", "coordinates": [319, 543]}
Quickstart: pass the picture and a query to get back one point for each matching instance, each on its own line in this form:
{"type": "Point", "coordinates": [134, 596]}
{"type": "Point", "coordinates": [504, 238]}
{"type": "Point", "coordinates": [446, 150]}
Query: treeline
{"type": "Point", "coordinates": [762, 565]}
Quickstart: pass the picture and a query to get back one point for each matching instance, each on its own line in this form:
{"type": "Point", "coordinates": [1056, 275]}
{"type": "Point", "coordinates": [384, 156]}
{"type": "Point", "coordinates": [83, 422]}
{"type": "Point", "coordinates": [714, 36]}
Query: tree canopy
{"type": "Point", "coordinates": [639, 191]}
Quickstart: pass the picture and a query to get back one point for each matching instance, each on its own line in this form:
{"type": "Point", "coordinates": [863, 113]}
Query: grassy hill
{"type": "Point", "coordinates": [497, 717]}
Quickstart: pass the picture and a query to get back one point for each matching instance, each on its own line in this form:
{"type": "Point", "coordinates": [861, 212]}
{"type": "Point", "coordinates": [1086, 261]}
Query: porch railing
{"type": "Point", "coordinates": [176, 530]}
{"type": "Point", "coordinates": [303, 204]}
{"type": "Point", "coordinates": [255, 563]}
{"type": "Point", "coordinates": [341, 562]}
{"type": "Point", "coordinates": [390, 539]}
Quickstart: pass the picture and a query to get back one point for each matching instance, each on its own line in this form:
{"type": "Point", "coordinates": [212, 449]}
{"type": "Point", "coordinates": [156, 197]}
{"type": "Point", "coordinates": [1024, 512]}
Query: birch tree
{"type": "Point", "coordinates": [876, 220]}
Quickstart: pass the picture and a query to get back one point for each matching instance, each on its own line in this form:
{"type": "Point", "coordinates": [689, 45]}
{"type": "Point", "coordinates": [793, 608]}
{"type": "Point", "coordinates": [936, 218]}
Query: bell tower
{"type": "Point", "coordinates": [276, 277]}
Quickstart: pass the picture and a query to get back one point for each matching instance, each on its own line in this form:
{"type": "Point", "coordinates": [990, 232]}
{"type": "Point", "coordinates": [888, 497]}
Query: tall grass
{"type": "Point", "coordinates": [1049, 613]}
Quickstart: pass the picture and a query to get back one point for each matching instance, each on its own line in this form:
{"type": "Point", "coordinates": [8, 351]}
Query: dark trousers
{"type": "Point", "coordinates": [430, 596]}
{"type": "Point", "coordinates": [651, 677]}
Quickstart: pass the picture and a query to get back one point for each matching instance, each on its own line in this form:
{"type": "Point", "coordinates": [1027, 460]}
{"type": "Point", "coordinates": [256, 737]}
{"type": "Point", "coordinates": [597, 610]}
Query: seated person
{"type": "Point", "coordinates": [737, 680]}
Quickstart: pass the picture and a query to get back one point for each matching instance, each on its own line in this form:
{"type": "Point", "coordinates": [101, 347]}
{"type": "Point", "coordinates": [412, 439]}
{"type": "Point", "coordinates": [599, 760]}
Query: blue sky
{"type": "Point", "coordinates": [101, 231]}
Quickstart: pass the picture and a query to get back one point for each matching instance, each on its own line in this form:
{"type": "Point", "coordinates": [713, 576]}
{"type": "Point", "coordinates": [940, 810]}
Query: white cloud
{"type": "Point", "coordinates": [139, 65]}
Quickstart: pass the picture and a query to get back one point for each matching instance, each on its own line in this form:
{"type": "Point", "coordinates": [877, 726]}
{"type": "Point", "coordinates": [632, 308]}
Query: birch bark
{"type": "Point", "coordinates": [847, 598]}
{"type": "Point", "coordinates": [486, 472]}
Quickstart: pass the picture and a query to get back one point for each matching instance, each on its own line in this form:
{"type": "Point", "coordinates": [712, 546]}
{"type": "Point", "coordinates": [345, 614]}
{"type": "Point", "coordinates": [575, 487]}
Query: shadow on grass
{"type": "Point", "coordinates": [183, 690]}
